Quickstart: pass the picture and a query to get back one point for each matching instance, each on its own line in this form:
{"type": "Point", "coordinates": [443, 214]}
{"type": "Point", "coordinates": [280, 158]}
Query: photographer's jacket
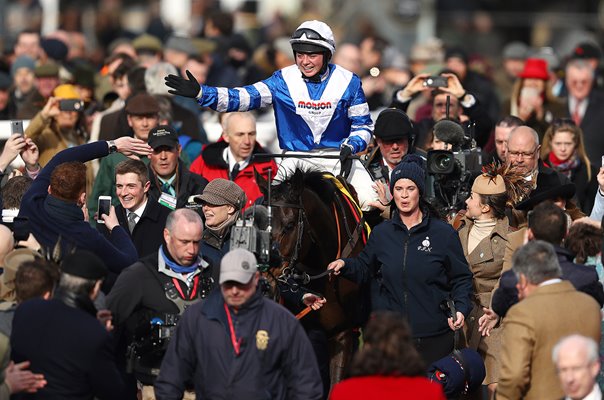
{"type": "Point", "coordinates": [413, 271]}
{"type": "Point", "coordinates": [275, 359]}
{"type": "Point", "coordinates": [308, 115]}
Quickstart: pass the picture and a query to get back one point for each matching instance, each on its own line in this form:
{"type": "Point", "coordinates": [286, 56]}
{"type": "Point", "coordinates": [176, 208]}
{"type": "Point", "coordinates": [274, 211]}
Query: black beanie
{"type": "Point", "coordinates": [411, 167]}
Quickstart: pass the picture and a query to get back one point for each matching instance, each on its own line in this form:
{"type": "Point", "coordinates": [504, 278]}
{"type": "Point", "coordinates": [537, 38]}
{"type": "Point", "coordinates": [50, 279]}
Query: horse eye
{"type": "Point", "coordinates": [288, 226]}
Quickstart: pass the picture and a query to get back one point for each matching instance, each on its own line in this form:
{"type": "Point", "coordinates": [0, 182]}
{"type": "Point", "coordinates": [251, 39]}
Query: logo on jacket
{"type": "Point", "coordinates": [425, 245]}
{"type": "Point", "coordinates": [262, 339]}
{"type": "Point", "coordinates": [315, 105]}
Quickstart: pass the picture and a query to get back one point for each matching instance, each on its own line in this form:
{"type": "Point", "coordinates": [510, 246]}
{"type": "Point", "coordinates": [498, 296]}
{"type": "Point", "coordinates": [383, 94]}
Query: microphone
{"type": "Point", "coordinates": [449, 132]}
{"type": "Point", "coordinates": [260, 213]}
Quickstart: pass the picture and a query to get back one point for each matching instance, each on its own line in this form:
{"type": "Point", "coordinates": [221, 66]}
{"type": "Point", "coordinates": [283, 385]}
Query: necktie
{"type": "Point", "coordinates": [165, 188]}
{"type": "Point", "coordinates": [576, 113]}
{"type": "Point", "coordinates": [131, 221]}
{"type": "Point", "coordinates": [234, 172]}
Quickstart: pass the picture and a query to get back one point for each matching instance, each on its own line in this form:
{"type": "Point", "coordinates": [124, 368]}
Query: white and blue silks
{"type": "Point", "coordinates": [315, 118]}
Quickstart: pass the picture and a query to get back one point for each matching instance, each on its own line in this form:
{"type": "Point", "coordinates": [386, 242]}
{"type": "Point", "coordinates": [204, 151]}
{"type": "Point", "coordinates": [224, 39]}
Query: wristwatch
{"type": "Point", "coordinates": [112, 146]}
{"type": "Point", "coordinates": [467, 100]}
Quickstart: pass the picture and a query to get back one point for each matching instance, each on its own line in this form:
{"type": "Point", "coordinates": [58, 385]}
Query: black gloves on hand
{"type": "Point", "coordinates": [182, 86]}
{"type": "Point", "coordinates": [345, 160]}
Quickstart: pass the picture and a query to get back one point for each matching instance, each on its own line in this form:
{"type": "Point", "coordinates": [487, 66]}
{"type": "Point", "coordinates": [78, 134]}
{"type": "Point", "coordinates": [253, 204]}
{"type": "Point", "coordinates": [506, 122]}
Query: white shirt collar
{"type": "Point", "coordinates": [595, 394]}
{"type": "Point", "coordinates": [230, 158]}
{"type": "Point", "coordinates": [550, 282]}
{"type": "Point", "coordinates": [139, 211]}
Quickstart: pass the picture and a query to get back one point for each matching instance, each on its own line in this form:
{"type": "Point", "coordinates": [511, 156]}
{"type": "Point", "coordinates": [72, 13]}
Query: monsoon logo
{"type": "Point", "coordinates": [312, 105]}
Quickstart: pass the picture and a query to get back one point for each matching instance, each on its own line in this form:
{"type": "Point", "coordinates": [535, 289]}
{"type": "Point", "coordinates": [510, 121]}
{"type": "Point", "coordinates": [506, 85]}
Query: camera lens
{"type": "Point", "coordinates": [443, 162]}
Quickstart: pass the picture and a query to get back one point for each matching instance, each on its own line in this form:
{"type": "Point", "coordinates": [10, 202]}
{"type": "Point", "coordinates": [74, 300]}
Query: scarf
{"type": "Point", "coordinates": [215, 235]}
{"type": "Point", "coordinates": [174, 266]}
{"type": "Point", "coordinates": [63, 211]}
{"type": "Point", "coordinates": [565, 167]}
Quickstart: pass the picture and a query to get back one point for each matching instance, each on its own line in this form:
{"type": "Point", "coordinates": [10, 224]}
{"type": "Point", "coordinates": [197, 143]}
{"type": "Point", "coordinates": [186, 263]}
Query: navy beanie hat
{"type": "Point", "coordinates": [411, 167]}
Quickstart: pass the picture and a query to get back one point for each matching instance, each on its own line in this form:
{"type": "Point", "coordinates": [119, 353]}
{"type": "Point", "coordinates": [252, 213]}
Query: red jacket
{"type": "Point", "coordinates": [387, 387]}
{"type": "Point", "coordinates": [211, 165]}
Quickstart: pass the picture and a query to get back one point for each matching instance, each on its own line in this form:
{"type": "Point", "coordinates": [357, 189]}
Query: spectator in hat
{"type": "Point", "coordinates": [7, 108]}
{"type": "Point", "coordinates": [400, 280]}
{"type": "Point", "coordinates": [47, 78]}
{"type": "Point", "coordinates": [140, 295]}
{"type": "Point", "coordinates": [513, 57]}
{"type": "Point", "coordinates": [24, 95]}
{"type": "Point", "coordinates": [54, 129]}
{"type": "Point", "coordinates": [266, 349]}
{"type": "Point", "coordinates": [142, 113]}
{"type": "Point", "coordinates": [388, 365]}
{"type": "Point", "coordinates": [148, 49]}
{"type": "Point", "coordinates": [530, 334]}
{"type": "Point", "coordinates": [584, 106]}
{"type": "Point", "coordinates": [456, 60]}
{"type": "Point", "coordinates": [592, 54]}
{"type": "Point", "coordinates": [177, 50]}
{"type": "Point", "coordinates": [221, 202]}
{"type": "Point", "coordinates": [532, 99]}
{"type": "Point", "coordinates": [171, 182]}
{"type": "Point", "coordinates": [76, 355]}
{"type": "Point", "coordinates": [53, 50]}
{"type": "Point", "coordinates": [232, 157]}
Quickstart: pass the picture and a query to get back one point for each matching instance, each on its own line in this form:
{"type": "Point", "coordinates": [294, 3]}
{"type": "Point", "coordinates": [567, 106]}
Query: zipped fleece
{"type": "Point", "coordinates": [413, 271]}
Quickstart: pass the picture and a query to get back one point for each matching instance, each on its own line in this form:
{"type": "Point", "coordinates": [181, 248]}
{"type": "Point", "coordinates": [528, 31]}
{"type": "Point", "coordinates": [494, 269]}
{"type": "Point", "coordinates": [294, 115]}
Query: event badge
{"type": "Point", "coordinates": [167, 200]}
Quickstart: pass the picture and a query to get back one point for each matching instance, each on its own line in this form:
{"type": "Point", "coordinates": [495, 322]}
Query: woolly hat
{"type": "Point", "coordinates": [84, 264]}
{"type": "Point", "coordinates": [66, 91]}
{"type": "Point", "coordinates": [22, 62]}
{"type": "Point", "coordinates": [220, 192]}
{"type": "Point", "coordinates": [55, 49]}
{"type": "Point", "coordinates": [411, 167]}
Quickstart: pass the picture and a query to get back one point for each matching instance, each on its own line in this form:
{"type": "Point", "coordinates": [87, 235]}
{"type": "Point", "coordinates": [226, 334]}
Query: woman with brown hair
{"type": "Point", "coordinates": [388, 366]}
{"type": "Point", "coordinates": [563, 150]}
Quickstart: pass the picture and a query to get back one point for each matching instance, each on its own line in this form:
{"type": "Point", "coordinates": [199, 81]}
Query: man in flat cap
{"type": "Point", "coordinates": [75, 355]}
{"type": "Point", "coordinates": [251, 346]}
{"type": "Point", "coordinates": [142, 113]}
{"type": "Point", "coordinates": [158, 288]}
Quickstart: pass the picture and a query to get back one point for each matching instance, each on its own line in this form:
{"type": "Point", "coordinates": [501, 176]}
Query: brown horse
{"type": "Point", "coordinates": [313, 224]}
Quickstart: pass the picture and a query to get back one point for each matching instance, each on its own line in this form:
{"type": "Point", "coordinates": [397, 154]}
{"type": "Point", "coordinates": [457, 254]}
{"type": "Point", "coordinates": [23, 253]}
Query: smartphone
{"type": "Point", "coordinates": [436, 81]}
{"type": "Point", "coordinates": [529, 93]}
{"type": "Point", "coordinates": [71, 105]}
{"type": "Point", "coordinates": [104, 207]}
{"type": "Point", "coordinates": [16, 127]}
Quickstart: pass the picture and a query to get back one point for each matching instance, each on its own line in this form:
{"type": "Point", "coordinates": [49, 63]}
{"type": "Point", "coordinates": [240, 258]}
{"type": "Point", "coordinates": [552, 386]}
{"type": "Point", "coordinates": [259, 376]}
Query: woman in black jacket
{"type": "Point", "coordinates": [414, 263]}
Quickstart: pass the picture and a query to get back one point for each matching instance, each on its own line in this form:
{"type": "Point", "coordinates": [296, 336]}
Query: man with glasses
{"type": "Point", "coordinates": [578, 364]}
{"type": "Point", "coordinates": [320, 108]}
{"type": "Point", "coordinates": [523, 148]}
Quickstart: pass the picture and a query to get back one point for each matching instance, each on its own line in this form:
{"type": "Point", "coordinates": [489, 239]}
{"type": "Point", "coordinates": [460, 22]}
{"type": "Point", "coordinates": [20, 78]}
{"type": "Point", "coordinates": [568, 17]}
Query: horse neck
{"type": "Point", "coordinates": [321, 220]}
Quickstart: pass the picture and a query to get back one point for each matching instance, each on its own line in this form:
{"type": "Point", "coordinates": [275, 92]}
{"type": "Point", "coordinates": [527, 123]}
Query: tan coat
{"type": "Point", "coordinates": [47, 136]}
{"type": "Point", "coordinates": [531, 329]}
{"type": "Point", "coordinates": [485, 262]}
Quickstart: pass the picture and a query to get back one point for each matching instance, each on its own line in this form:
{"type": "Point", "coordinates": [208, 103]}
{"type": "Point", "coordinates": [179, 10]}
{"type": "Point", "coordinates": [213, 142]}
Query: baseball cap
{"type": "Point", "coordinates": [238, 265]}
{"type": "Point", "coordinates": [162, 135]}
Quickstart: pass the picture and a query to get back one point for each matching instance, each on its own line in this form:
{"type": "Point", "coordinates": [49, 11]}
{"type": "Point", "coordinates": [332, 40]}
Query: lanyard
{"type": "Point", "coordinates": [236, 342]}
{"type": "Point", "coordinates": [193, 292]}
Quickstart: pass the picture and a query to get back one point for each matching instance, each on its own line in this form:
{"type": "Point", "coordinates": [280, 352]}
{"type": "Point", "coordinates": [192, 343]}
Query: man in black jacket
{"type": "Point", "coordinates": [239, 344]}
{"type": "Point", "coordinates": [144, 220]}
{"type": "Point", "coordinates": [63, 338]}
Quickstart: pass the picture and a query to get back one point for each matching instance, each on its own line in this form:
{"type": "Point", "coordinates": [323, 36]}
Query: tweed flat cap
{"type": "Point", "coordinates": [221, 191]}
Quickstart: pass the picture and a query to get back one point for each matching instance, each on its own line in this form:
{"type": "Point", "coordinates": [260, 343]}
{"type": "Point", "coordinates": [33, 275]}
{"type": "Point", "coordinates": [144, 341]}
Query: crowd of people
{"type": "Point", "coordinates": [151, 296]}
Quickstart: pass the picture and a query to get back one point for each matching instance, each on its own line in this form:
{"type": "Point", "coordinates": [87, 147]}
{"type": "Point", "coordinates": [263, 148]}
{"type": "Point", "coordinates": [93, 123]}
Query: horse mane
{"type": "Point", "coordinates": [323, 187]}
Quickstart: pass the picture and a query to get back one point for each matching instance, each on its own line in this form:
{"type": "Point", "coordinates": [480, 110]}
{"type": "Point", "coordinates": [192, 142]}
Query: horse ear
{"type": "Point", "coordinates": [261, 182]}
{"type": "Point", "coordinates": [297, 183]}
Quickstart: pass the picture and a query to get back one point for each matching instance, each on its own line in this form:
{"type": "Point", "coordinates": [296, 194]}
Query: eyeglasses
{"type": "Point", "coordinates": [309, 33]}
{"type": "Point", "coordinates": [520, 154]}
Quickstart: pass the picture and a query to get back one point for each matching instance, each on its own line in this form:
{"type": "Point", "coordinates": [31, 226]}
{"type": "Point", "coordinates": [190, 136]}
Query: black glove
{"type": "Point", "coordinates": [345, 161]}
{"type": "Point", "coordinates": [183, 87]}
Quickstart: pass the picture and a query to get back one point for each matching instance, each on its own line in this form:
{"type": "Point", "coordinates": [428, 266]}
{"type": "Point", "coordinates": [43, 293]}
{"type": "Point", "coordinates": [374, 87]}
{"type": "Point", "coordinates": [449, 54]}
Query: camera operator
{"type": "Point", "coordinates": [150, 295]}
{"type": "Point", "coordinates": [462, 104]}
